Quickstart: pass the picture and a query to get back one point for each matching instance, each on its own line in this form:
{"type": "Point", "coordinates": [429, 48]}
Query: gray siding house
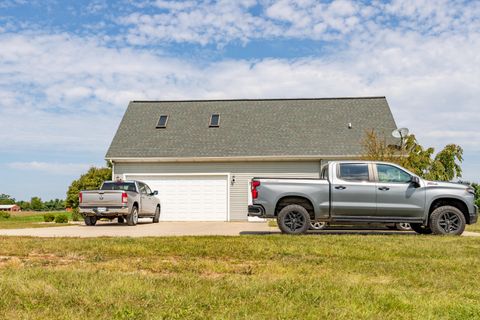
{"type": "Point", "coordinates": [200, 155]}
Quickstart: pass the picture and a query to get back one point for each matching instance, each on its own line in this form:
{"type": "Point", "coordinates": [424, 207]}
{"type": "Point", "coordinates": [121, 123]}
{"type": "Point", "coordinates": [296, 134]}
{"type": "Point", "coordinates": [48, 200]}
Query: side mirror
{"type": "Point", "coordinates": [415, 180]}
{"type": "Point", "coordinates": [155, 192]}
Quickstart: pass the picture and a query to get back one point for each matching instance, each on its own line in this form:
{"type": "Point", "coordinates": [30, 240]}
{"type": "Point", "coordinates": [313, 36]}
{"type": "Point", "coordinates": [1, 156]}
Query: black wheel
{"type": "Point", "coordinates": [318, 225]}
{"type": "Point", "coordinates": [156, 217]}
{"type": "Point", "coordinates": [447, 220]}
{"type": "Point", "coordinates": [420, 228]}
{"type": "Point", "coordinates": [90, 220]}
{"type": "Point", "coordinates": [132, 218]}
{"type": "Point", "coordinates": [403, 226]}
{"type": "Point", "coordinates": [120, 220]}
{"type": "Point", "coordinates": [293, 219]}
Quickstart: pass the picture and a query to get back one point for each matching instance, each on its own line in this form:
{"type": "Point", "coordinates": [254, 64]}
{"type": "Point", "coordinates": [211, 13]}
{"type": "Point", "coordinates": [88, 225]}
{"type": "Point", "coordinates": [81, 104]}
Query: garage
{"type": "Point", "coordinates": [189, 197]}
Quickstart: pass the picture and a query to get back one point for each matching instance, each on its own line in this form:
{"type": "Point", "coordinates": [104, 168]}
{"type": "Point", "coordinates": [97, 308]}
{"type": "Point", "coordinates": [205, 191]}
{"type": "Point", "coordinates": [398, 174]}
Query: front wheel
{"type": "Point", "coordinates": [447, 220]}
{"type": "Point", "coordinates": [132, 218]}
{"type": "Point", "coordinates": [156, 217]}
{"type": "Point", "coordinates": [403, 226]}
{"type": "Point", "coordinates": [293, 219]}
{"type": "Point", "coordinates": [90, 220]}
{"type": "Point", "coordinates": [318, 225]}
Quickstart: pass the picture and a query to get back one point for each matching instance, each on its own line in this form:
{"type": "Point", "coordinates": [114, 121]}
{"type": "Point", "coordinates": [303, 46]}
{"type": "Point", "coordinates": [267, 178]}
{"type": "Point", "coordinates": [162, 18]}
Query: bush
{"type": "Point", "coordinates": [4, 214]}
{"type": "Point", "coordinates": [76, 216]}
{"type": "Point", "coordinates": [61, 218]}
{"type": "Point", "coordinates": [48, 217]}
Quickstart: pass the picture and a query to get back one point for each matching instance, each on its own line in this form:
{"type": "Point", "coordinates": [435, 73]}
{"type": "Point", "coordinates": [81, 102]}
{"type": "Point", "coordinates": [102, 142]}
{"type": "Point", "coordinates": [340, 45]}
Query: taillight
{"type": "Point", "coordinates": [124, 197]}
{"type": "Point", "coordinates": [80, 197]}
{"type": "Point", "coordinates": [255, 184]}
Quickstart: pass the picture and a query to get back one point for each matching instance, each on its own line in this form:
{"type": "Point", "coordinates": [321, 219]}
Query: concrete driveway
{"type": "Point", "coordinates": [162, 229]}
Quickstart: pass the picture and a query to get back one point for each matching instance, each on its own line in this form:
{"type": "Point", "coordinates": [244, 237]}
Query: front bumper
{"type": "Point", "coordinates": [104, 211]}
{"type": "Point", "coordinates": [474, 215]}
{"type": "Point", "coordinates": [256, 211]}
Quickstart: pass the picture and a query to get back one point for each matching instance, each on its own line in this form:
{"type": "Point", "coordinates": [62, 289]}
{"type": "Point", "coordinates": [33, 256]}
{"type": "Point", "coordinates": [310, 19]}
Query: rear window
{"type": "Point", "coordinates": [125, 186]}
{"type": "Point", "coordinates": [353, 172]}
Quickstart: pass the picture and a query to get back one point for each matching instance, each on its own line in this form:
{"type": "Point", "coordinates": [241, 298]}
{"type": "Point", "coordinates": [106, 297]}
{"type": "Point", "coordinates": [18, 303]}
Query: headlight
{"type": "Point", "coordinates": [470, 190]}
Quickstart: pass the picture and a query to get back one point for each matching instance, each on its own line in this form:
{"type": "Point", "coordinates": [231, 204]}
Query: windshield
{"type": "Point", "coordinates": [124, 186]}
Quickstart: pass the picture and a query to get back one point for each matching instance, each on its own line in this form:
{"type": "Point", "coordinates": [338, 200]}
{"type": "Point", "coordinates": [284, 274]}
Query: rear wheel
{"type": "Point", "coordinates": [447, 220]}
{"type": "Point", "coordinates": [293, 219]}
{"type": "Point", "coordinates": [90, 220]}
{"type": "Point", "coordinates": [420, 228]}
{"type": "Point", "coordinates": [132, 218]}
{"type": "Point", "coordinates": [156, 217]}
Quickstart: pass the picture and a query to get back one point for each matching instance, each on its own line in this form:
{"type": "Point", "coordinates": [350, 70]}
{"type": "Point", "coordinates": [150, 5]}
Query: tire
{"type": "Point", "coordinates": [403, 226]}
{"type": "Point", "coordinates": [420, 228]}
{"type": "Point", "coordinates": [318, 225]}
{"type": "Point", "coordinates": [120, 220]}
{"type": "Point", "coordinates": [156, 217]}
{"type": "Point", "coordinates": [90, 220]}
{"type": "Point", "coordinates": [293, 219]}
{"type": "Point", "coordinates": [132, 218]}
{"type": "Point", "coordinates": [447, 220]}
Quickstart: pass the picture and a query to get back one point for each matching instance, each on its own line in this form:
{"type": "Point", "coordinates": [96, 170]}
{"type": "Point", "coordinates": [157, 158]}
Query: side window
{"type": "Point", "coordinates": [142, 186]}
{"type": "Point", "coordinates": [387, 173]}
{"type": "Point", "coordinates": [353, 172]}
{"type": "Point", "coordinates": [148, 190]}
{"type": "Point", "coordinates": [324, 173]}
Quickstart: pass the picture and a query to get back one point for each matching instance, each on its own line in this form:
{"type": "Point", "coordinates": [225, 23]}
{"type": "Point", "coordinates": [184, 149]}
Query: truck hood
{"type": "Point", "coordinates": [443, 184]}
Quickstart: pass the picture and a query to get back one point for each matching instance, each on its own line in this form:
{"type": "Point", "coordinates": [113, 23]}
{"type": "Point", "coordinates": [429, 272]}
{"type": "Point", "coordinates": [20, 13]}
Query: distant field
{"type": "Point", "coordinates": [30, 219]}
{"type": "Point", "coordinates": [245, 277]}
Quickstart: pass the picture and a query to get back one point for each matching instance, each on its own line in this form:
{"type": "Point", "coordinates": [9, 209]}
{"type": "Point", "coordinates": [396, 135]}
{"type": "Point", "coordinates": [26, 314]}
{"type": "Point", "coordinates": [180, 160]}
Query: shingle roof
{"type": "Point", "coordinates": [250, 128]}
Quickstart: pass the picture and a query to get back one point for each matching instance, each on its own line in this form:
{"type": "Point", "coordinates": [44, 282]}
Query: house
{"type": "Point", "coordinates": [9, 207]}
{"type": "Point", "coordinates": [201, 155]}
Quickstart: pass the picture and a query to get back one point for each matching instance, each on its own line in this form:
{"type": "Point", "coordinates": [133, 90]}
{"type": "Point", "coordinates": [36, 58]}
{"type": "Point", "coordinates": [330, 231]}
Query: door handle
{"type": "Point", "coordinates": [340, 187]}
{"type": "Point", "coordinates": [384, 188]}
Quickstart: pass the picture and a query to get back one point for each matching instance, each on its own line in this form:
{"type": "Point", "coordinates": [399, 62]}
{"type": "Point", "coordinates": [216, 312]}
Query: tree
{"type": "Point", "coordinates": [91, 180]}
{"type": "Point", "coordinates": [36, 204]}
{"type": "Point", "coordinates": [6, 199]}
{"type": "Point", "coordinates": [445, 166]}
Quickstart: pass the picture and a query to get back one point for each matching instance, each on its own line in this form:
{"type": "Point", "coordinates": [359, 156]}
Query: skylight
{"type": "Point", "coordinates": [162, 122]}
{"type": "Point", "coordinates": [215, 120]}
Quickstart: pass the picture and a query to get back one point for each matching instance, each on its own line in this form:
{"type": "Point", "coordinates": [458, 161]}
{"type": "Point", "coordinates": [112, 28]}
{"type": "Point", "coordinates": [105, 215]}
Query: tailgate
{"type": "Point", "coordinates": [102, 198]}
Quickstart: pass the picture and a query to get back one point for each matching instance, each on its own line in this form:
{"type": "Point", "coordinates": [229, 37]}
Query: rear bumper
{"type": "Point", "coordinates": [474, 215]}
{"type": "Point", "coordinates": [256, 211]}
{"type": "Point", "coordinates": [108, 212]}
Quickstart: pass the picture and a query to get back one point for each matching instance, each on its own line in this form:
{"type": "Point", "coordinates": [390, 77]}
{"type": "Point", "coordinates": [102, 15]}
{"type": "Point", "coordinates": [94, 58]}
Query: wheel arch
{"type": "Point", "coordinates": [301, 200]}
{"type": "Point", "coordinates": [449, 201]}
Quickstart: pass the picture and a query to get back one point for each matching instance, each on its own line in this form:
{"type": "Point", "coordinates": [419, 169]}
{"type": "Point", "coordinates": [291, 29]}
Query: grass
{"type": "Point", "coordinates": [473, 227]}
{"type": "Point", "coordinates": [20, 220]}
{"type": "Point", "coordinates": [246, 277]}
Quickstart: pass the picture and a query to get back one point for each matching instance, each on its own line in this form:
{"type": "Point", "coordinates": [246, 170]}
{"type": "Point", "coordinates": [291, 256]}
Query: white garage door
{"type": "Point", "coordinates": [189, 198]}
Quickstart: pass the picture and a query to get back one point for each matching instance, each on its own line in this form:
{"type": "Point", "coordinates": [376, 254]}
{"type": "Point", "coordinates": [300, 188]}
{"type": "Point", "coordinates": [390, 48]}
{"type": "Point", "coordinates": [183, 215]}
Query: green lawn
{"type": "Point", "coordinates": [473, 227]}
{"type": "Point", "coordinates": [245, 277]}
{"type": "Point", "coordinates": [19, 220]}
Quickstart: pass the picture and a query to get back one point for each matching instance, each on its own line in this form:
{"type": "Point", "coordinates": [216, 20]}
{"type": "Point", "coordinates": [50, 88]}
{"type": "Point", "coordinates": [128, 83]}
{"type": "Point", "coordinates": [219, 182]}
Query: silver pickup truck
{"type": "Point", "coordinates": [364, 192]}
{"type": "Point", "coordinates": [125, 200]}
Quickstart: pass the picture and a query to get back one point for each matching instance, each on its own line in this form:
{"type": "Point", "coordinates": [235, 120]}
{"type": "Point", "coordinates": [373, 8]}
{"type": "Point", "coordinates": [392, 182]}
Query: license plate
{"type": "Point", "coordinates": [101, 209]}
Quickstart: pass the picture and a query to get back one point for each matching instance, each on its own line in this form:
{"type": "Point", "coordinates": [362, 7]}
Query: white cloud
{"type": "Point", "coordinates": [51, 167]}
{"type": "Point", "coordinates": [221, 22]}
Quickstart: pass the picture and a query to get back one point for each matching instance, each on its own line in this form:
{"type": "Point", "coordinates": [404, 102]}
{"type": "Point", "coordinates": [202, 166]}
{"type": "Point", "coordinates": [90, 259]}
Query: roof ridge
{"type": "Point", "coordinates": [260, 99]}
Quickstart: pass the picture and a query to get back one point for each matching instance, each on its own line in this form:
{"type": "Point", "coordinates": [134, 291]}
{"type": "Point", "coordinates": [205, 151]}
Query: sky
{"type": "Point", "coordinates": [69, 68]}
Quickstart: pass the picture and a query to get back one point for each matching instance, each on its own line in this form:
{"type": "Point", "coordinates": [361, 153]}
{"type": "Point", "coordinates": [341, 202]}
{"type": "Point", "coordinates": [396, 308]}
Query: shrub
{"type": "Point", "coordinates": [4, 214]}
{"type": "Point", "coordinates": [61, 218]}
{"type": "Point", "coordinates": [76, 216]}
{"type": "Point", "coordinates": [48, 217]}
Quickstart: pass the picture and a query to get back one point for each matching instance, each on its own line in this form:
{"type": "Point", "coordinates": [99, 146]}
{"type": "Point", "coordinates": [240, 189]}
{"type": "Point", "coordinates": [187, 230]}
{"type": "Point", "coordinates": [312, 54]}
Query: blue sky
{"type": "Point", "coordinates": [69, 68]}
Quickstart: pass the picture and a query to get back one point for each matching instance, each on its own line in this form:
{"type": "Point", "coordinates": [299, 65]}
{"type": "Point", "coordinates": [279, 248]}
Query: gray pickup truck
{"type": "Point", "coordinates": [364, 192]}
{"type": "Point", "coordinates": [125, 200]}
